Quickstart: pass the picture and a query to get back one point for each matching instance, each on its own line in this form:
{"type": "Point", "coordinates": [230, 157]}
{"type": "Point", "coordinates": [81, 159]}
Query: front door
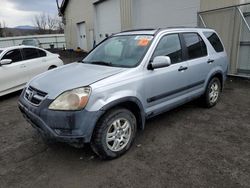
{"type": "Point", "coordinates": [82, 38]}
{"type": "Point", "coordinates": [166, 87]}
{"type": "Point", "coordinates": [13, 75]}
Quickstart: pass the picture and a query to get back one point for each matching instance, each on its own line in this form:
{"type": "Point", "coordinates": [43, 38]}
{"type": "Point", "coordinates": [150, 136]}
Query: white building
{"type": "Point", "coordinates": [87, 22]}
{"type": "Point", "coordinates": [92, 20]}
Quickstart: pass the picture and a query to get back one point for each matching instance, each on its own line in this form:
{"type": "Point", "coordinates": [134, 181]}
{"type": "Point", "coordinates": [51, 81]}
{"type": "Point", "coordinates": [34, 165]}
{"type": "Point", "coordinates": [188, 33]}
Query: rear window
{"type": "Point", "coordinates": [41, 53]}
{"type": "Point", "coordinates": [214, 41]}
{"type": "Point", "coordinates": [195, 45]}
{"type": "Point", "coordinates": [30, 53]}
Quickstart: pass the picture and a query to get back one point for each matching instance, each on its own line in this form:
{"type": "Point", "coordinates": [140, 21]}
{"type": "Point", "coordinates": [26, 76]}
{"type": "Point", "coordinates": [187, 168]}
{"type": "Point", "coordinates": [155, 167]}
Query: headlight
{"type": "Point", "coordinates": [75, 99]}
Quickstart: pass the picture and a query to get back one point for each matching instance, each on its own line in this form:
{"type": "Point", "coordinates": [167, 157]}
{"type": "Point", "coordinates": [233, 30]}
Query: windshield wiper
{"type": "Point", "coordinates": [99, 63]}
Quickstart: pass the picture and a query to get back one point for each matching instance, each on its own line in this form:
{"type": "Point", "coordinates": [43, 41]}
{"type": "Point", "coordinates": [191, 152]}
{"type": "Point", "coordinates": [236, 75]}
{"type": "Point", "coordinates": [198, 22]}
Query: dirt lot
{"type": "Point", "coordinates": [187, 147]}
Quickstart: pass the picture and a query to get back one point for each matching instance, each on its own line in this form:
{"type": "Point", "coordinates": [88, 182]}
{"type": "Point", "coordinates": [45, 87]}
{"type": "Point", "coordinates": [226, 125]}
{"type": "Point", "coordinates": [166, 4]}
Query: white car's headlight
{"type": "Point", "coordinates": [75, 99]}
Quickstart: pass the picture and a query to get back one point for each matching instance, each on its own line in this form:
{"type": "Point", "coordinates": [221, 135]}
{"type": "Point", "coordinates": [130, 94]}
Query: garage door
{"type": "Point", "coordinates": [108, 19]}
{"type": "Point", "coordinates": [165, 13]}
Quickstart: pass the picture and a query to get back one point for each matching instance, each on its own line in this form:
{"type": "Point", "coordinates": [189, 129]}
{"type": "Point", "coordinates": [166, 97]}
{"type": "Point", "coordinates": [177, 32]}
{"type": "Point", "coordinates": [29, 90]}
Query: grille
{"type": "Point", "coordinates": [34, 96]}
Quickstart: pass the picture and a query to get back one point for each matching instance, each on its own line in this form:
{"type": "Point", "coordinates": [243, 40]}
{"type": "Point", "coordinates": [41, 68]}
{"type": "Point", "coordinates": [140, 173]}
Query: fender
{"type": "Point", "coordinates": [212, 74]}
{"type": "Point", "coordinates": [142, 118]}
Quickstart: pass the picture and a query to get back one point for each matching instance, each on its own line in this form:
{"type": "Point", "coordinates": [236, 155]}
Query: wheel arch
{"type": "Point", "coordinates": [131, 103]}
{"type": "Point", "coordinates": [219, 75]}
{"type": "Point", "coordinates": [52, 67]}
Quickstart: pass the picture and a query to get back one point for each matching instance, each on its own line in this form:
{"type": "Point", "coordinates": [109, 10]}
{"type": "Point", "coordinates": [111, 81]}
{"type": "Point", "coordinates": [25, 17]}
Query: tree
{"type": "Point", "coordinates": [40, 22]}
{"type": "Point", "coordinates": [60, 25]}
{"type": "Point", "coordinates": [2, 29]}
{"type": "Point", "coordinates": [51, 22]}
{"type": "Point", "coordinates": [46, 23]}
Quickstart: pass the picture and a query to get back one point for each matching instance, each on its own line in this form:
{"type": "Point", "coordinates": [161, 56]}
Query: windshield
{"type": "Point", "coordinates": [120, 51]}
{"type": "Point", "coordinates": [29, 42]}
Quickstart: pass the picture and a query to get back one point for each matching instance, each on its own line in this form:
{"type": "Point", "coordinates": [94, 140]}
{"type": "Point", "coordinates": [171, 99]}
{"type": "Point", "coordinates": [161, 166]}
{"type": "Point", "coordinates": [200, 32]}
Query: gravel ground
{"type": "Point", "coordinates": [186, 147]}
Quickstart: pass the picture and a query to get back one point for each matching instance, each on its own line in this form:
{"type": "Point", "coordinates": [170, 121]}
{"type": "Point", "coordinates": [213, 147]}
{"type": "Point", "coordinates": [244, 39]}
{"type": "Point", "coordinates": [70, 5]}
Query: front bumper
{"type": "Point", "coordinates": [63, 126]}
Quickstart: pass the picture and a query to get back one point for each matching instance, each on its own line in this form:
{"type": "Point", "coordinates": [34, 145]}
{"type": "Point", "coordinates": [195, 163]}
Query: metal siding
{"type": "Point", "coordinates": [126, 14]}
{"type": "Point", "coordinates": [78, 11]}
{"type": "Point", "coordinates": [214, 4]}
{"type": "Point", "coordinates": [164, 13]}
{"type": "Point", "coordinates": [108, 18]}
{"type": "Point", "coordinates": [244, 52]}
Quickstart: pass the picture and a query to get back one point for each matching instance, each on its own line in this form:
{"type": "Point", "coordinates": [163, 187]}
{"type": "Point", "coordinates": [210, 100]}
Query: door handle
{"type": "Point", "coordinates": [210, 61]}
{"type": "Point", "coordinates": [182, 69]}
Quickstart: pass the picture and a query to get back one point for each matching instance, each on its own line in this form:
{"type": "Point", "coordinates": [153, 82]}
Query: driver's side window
{"type": "Point", "coordinates": [169, 45]}
{"type": "Point", "coordinates": [14, 55]}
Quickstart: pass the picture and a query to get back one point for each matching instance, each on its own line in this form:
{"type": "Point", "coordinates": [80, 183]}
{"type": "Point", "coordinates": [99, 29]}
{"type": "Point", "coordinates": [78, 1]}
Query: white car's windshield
{"type": "Point", "coordinates": [120, 51]}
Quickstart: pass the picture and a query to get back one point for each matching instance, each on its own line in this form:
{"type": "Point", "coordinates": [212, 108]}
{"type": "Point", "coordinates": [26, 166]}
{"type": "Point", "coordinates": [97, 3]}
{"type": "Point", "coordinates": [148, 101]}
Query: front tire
{"type": "Point", "coordinates": [114, 133]}
{"type": "Point", "coordinates": [213, 92]}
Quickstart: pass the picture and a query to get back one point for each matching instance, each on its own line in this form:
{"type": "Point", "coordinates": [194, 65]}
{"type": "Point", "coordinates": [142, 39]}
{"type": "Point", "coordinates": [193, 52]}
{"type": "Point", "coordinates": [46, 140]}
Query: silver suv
{"type": "Point", "coordinates": [126, 79]}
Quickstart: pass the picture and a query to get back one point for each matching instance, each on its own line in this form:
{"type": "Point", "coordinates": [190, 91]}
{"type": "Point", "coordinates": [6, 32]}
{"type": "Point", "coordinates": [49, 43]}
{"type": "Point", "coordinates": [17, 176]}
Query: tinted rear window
{"type": "Point", "coordinates": [195, 45]}
{"type": "Point", "coordinates": [41, 53]}
{"type": "Point", "coordinates": [214, 41]}
{"type": "Point", "coordinates": [30, 53]}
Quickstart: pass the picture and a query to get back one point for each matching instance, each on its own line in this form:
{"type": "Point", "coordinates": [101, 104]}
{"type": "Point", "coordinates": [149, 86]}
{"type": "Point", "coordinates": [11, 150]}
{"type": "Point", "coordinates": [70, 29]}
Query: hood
{"type": "Point", "coordinates": [75, 75]}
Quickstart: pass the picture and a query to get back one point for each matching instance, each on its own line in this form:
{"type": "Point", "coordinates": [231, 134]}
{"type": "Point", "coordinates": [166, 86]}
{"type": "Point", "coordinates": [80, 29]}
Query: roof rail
{"type": "Point", "coordinates": [157, 30]}
{"type": "Point", "coordinates": [142, 29]}
{"type": "Point", "coordinates": [180, 27]}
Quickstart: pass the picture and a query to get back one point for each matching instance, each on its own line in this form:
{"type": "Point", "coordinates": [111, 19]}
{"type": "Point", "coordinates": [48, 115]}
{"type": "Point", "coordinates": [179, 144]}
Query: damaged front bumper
{"type": "Point", "coordinates": [62, 126]}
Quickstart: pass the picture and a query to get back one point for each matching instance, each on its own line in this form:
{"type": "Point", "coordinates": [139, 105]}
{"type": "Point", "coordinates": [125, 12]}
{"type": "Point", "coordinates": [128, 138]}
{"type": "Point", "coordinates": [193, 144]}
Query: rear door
{"type": "Point", "coordinates": [166, 87]}
{"type": "Point", "coordinates": [198, 61]}
{"type": "Point", "coordinates": [35, 61]}
{"type": "Point", "coordinates": [15, 74]}
{"type": "Point", "coordinates": [218, 56]}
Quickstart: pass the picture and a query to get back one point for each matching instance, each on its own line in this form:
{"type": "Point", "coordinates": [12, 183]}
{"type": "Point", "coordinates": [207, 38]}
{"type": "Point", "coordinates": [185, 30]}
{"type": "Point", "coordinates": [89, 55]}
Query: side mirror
{"type": "Point", "coordinates": [160, 62]}
{"type": "Point", "coordinates": [5, 62]}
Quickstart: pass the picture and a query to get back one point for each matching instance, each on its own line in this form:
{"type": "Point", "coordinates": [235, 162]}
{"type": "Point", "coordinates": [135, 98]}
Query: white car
{"type": "Point", "coordinates": [19, 64]}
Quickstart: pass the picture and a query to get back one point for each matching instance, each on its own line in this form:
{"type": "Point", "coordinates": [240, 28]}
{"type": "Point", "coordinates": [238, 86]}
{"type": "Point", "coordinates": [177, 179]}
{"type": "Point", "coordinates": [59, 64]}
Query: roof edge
{"type": "Point", "coordinates": [98, 1]}
{"type": "Point", "coordinates": [63, 7]}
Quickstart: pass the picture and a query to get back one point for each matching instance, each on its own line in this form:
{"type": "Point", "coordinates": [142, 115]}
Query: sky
{"type": "Point", "coordinates": [22, 12]}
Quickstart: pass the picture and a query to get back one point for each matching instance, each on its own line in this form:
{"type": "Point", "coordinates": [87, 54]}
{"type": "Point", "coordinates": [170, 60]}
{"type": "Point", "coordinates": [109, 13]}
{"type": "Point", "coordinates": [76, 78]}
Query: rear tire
{"type": "Point", "coordinates": [213, 92]}
{"type": "Point", "coordinates": [114, 133]}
